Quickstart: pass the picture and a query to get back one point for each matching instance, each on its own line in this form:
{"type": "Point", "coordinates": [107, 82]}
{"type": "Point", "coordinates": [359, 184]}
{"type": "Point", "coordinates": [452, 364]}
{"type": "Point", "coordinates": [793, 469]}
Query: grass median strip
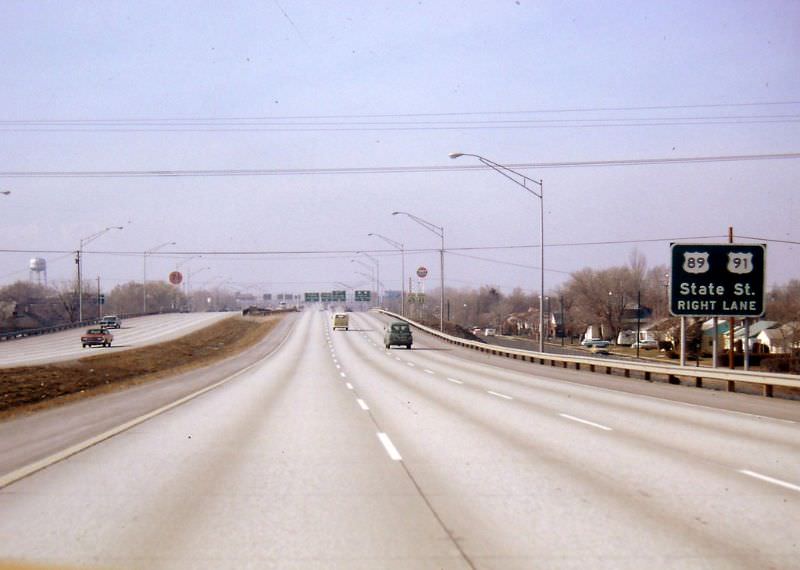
{"type": "Point", "coordinates": [24, 388]}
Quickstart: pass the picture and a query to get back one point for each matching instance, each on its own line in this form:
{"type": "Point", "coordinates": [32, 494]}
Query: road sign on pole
{"type": "Point", "coordinates": [422, 272]}
{"type": "Point", "coordinates": [312, 297]}
{"type": "Point", "coordinates": [363, 296]}
{"type": "Point", "coordinates": [175, 277]}
{"type": "Point", "coordinates": [713, 280]}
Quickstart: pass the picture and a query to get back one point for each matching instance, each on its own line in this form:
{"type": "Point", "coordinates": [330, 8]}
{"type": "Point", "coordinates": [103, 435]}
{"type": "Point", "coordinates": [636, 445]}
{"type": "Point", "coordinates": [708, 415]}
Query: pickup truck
{"type": "Point", "coordinates": [96, 337]}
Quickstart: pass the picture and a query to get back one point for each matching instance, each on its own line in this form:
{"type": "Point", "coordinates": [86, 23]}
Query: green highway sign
{"type": "Point", "coordinates": [363, 296]}
{"type": "Point", "coordinates": [326, 297]}
{"type": "Point", "coordinates": [312, 297]}
{"type": "Point", "coordinates": [339, 296]}
{"type": "Point", "coordinates": [713, 280]}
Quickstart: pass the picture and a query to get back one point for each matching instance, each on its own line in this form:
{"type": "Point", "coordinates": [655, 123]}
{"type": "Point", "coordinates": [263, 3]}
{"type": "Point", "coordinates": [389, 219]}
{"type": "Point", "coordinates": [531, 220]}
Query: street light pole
{"type": "Point", "coordinates": [402, 269]}
{"type": "Point", "coordinates": [439, 231]}
{"type": "Point", "coordinates": [525, 180]}
{"type": "Point", "coordinates": [144, 272]}
{"type": "Point", "coordinates": [377, 277]}
{"type": "Point", "coordinates": [79, 261]}
{"type": "Point", "coordinates": [372, 278]}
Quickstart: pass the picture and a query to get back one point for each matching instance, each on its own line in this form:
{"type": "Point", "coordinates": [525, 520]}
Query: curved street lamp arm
{"type": "Point", "coordinates": [388, 240]}
{"type": "Point", "coordinates": [505, 171]}
{"type": "Point", "coordinates": [438, 230]}
{"type": "Point", "coordinates": [94, 236]}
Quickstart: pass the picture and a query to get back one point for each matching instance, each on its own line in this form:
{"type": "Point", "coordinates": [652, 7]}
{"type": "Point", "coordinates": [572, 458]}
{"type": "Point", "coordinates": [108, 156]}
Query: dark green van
{"type": "Point", "coordinates": [397, 333]}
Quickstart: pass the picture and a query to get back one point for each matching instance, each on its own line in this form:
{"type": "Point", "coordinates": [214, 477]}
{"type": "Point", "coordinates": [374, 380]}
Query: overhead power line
{"type": "Point", "coordinates": [387, 169]}
{"type": "Point", "coordinates": [614, 109]}
{"type": "Point", "coordinates": [338, 253]}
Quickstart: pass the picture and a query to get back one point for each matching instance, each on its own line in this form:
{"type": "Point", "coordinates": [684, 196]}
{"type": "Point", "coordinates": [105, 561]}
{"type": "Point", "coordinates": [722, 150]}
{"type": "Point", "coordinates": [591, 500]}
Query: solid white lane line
{"type": "Point", "coordinates": [389, 446]}
{"type": "Point", "coordinates": [342, 374]}
{"type": "Point", "coordinates": [363, 404]}
{"type": "Point", "coordinates": [349, 386]}
{"type": "Point", "coordinates": [454, 381]}
{"type": "Point", "coordinates": [430, 371]}
{"type": "Point", "coordinates": [499, 395]}
{"type": "Point", "coordinates": [587, 422]}
{"type": "Point", "coordinates": [770, 479]}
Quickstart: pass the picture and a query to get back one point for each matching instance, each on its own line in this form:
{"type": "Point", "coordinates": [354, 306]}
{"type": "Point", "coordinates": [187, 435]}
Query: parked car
{"type": "Point", "coordinates": [110, 322]}
{"type": "Point", "coordinates": [97, 337]}
{"type": "Point", "coordinates": [600, 347]}
{"type": "Point", "coordinates": [647, 344]}
{"type": "Point", "coordinates": [397, 333]}
{"type": "Point", "coordinates": [589, 342]}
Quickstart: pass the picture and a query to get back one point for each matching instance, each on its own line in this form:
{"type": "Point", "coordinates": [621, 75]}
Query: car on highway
{"type": "Point", "coordinates": [397, 333]}
{"type": "Point", "coordinates": [110, 322]}
{"type": "Point", "coordinates": [341, 321]}
{"type": "Point", "coordinates": [647, 344]}
{"type": "Point", "coordinates": [590, 342]}
{"type": "Point", "coordinates": [97, 337]}
{"type": "Point", "coordinates": [490, 332]}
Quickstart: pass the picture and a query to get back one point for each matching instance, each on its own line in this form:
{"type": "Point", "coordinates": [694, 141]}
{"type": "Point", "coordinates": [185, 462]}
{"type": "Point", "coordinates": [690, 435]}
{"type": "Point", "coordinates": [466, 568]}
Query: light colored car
{"type": "Point", "coordinates": [489, 332]}
{"type": "Point", "coordinates": [589, 342]}
{"type": "Point", "coordinates": [600, 347]}
{"type": "Point", "coordinates": [341, 321]}
{"type": "Point", "coordinates": [647, 344]}
{"type": "Point", "coordinates": [110, 322]}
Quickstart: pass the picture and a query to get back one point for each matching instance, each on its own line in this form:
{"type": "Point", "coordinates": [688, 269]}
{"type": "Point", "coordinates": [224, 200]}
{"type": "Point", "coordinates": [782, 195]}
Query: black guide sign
{"type": "Point", "coordinates": [713, 280]}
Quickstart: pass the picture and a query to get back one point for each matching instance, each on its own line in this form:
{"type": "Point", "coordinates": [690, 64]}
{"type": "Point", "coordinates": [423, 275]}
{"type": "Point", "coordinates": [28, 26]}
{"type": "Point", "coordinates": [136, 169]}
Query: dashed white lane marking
{"type": "Point", "coordinates": [397, 358]}
{"type": "Point", "coordinates": [337, 366]}
{"type": "Point", "coordinates": [454, 381]}
{"type": "Point", "coordinates": [587, 422]}
{"type": "Point", "coordinates": [430, 371]}
{"type": "Point", "coordinates": [499, 395]}
{"type": "Point", "coordinates": [363, 404]}
{"type": "Point", "coordinates": [411, 364]}
{"type": "Point", "coordinates": [770, 479]}
{"type": "Point", "coordinates": [349, 386]}
{"type": "Point", "coordinates": [342, 374]}
{"type": "Point", "coordinates": [389, 446]}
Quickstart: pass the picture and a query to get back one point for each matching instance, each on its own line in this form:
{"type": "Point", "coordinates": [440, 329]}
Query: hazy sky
{"type": "Point", "coordinates": [106, 87]}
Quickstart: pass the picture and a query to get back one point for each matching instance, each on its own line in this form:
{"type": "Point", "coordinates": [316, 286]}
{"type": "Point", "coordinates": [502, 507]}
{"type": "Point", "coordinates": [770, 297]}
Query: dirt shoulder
{"type": "Point", "coordinates": [28, 388]}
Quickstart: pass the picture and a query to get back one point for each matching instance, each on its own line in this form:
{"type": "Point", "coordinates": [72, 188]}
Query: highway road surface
{"type": "Point", "coordinates": [333, 452]}
{"type": "Point", "coordinates": [135, 332]}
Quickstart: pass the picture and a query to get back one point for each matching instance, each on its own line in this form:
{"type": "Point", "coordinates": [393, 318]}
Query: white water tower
{"type": "Point", "coordinates": [38, 270]}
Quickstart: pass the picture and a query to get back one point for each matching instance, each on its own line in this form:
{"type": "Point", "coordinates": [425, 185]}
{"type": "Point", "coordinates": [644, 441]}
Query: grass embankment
{"type": "Point", "coordinates": [28, 388]}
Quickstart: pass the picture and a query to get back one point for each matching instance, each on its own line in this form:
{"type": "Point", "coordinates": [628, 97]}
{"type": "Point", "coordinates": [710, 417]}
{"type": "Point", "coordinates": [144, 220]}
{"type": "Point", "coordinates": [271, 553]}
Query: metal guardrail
{"type": "Point", "coordinates": [767, 380]}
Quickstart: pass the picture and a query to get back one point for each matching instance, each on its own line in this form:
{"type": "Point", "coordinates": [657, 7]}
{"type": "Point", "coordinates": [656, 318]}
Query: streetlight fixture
{"type": "Point", "coordinates": [439, 231]}
{"type": "Point", "coordinates": [523, 182]}
{"type": "Point", "coordinates": [79, 260]}
{"type": "Point", "coordinates": [377, 263]}
{"type": "Point", "coordinates": [372, 279]}
{"type": "Point", "coordinates": [402, 269]}
{"type": "Point", "coordinates": [144, 271]}
{"type": "Point", "coordinates": [5, 192]}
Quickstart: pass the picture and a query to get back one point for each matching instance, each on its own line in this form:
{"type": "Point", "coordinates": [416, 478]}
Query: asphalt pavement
{"type": "Point", "coordinates": [332, 452]}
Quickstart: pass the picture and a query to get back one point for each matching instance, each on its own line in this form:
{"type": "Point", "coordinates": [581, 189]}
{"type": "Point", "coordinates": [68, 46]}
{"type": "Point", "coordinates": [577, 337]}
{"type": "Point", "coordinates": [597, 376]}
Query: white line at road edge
{"type": "Point", "coordinates": [32, 468]}
{"type": "Point", "coordinates": [362, 403]}
{"type": "Point", "coordinates": [587, 422]}
{"type": "Point", "coordinates": [770, 479]}
{"type": "Point", "coordinates": [499, 395]}
{"type": "Point", "coordinates": [389, 446]}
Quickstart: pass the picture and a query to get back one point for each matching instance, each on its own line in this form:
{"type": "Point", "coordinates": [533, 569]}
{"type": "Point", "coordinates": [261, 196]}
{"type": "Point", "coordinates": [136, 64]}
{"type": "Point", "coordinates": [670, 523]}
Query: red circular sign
{"type": "Point", "coordinates": [422, 272]}
{"type": "Point", "coordinates": [175, 277]}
